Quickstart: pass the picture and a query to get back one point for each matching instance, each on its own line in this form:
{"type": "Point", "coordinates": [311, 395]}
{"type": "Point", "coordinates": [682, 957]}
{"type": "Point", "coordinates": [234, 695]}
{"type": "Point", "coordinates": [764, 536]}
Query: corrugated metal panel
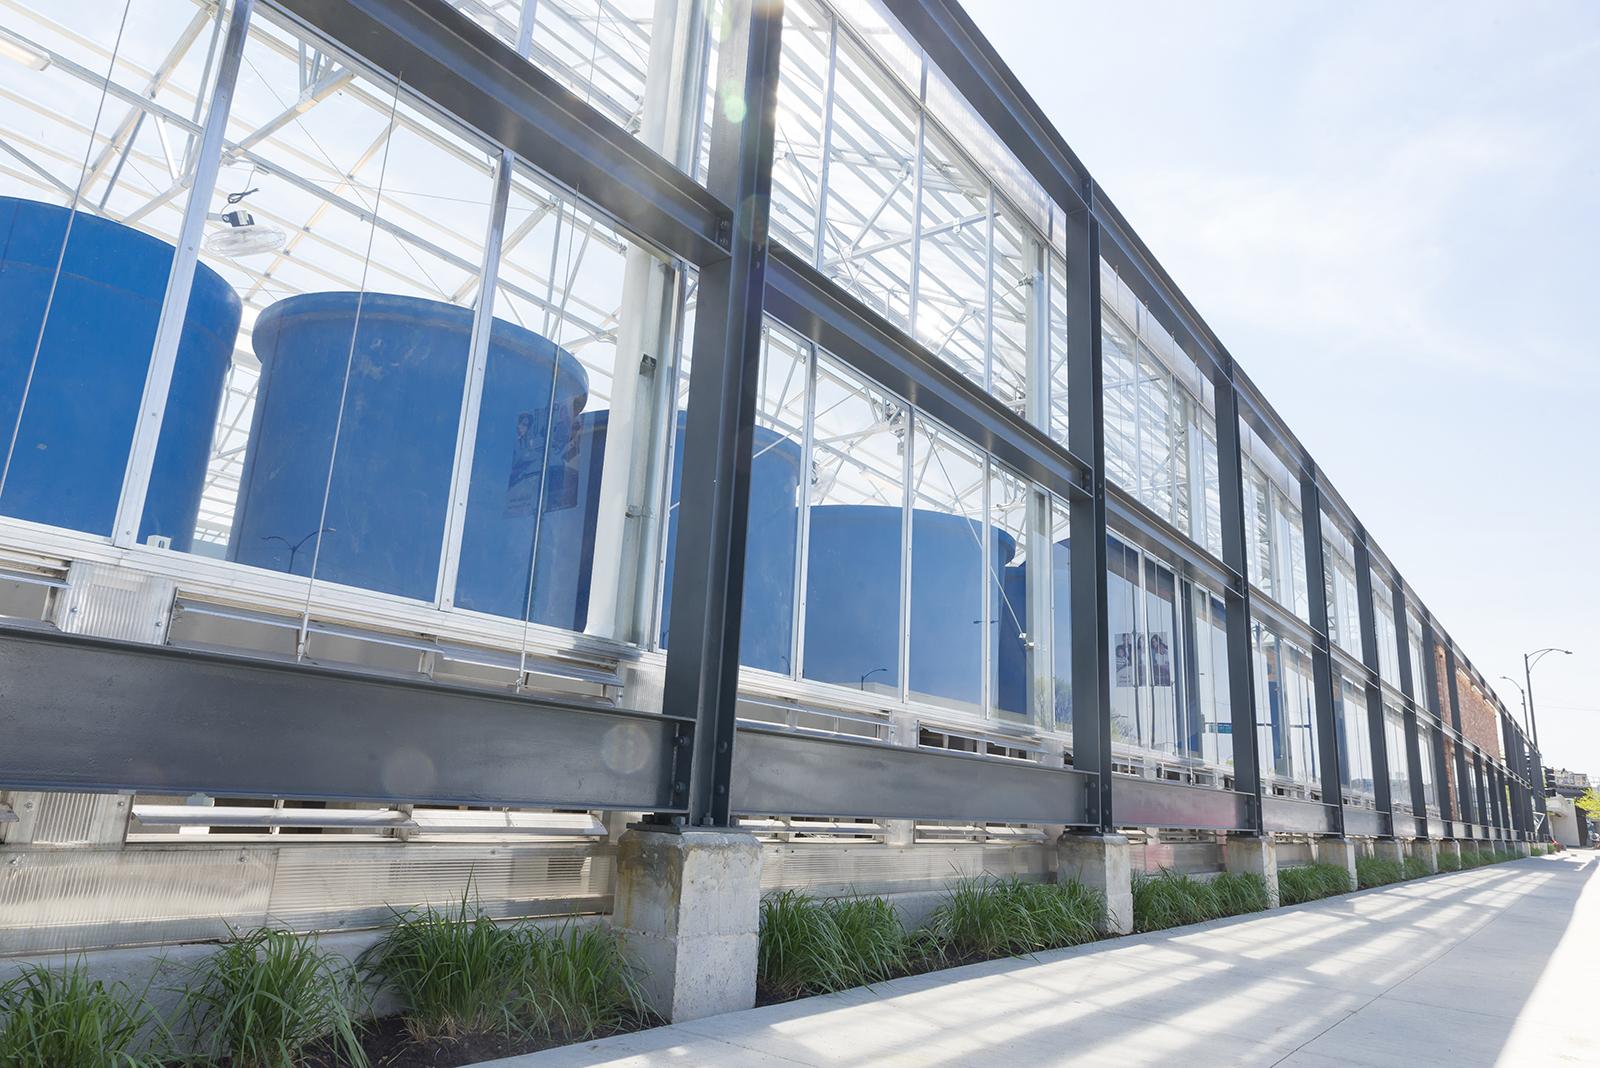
{"type": "Point", "coordinates": [83, 899]}
{"type": "Point", "coordinates": [78, 819]}
{"type": "Point", "coordinates": [108, 602]}
{"type": "Point", "coordinates": [883, 869]}
{"type": "Point", "coordinates": [1189, 857]}
{"type": "Point", "coordinates": [328, 887]}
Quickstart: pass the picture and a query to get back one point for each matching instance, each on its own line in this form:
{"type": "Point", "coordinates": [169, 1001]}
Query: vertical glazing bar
{"type": "Point", "coordinates": [1321, 662]}
{"type": "Point", "coordinates": [1381, 793]}
{"type": "Point", "coordinates": [908, 503]}
{"type": "Point", "coordinates": [702, 674]}
{"type": "Point", "coordinates": [472, 394]}
{"type": "Point", "coordinates": [180, 281]}
{"type": "Point", "coordinates": [1091, 674]}
{"type": "Point", "coordinates": [1236, 554]}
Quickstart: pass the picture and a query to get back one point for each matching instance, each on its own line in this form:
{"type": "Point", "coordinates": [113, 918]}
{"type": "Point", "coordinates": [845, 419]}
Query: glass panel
{"type": "Point", "coordinates": [856, 521]}
{"type": "Point", "coordinates": [952, 317]}
{"type": "Point", "coordinates": [1061, 613]}
{"type": "Point", "coordinates": [99, 138]}
{"type": "Point", "coordinates": [1014, 287]}
{"type": "Point", "coordinates": [948, 565]}
{"type": "Point", "coordinates": [1215, 743]}
{"type": "Point", "coordinates": [1007, 591]}
{"type": "Point", "coordinates": [1125, 652]}
{"type": "Point", "coordinates": [871, 195]}
{"type": "Point", "coordinates": [1394, 731]}
{"type": "Point", "coordinates": [350, 223]}
{"type": "Point", "coordinates": [1160, 728]}
{"type": "Point", "coordinates": [1058, 341]}
{"type": "Point", "coordinates": [797, 173]}
{"type": "Point", "coordinates": [1119, 387]}
{"type": "Point", "coordinates": [1355, 743]}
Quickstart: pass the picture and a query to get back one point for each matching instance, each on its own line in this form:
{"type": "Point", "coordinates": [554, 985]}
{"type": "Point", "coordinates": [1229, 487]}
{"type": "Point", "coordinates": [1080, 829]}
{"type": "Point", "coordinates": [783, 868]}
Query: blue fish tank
{"type": "Point", "coordinates": [77, 331]}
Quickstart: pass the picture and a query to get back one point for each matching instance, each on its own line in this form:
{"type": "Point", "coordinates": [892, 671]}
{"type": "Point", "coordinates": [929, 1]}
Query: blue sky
{"type": "Point", "coordinates": [1390, 214]}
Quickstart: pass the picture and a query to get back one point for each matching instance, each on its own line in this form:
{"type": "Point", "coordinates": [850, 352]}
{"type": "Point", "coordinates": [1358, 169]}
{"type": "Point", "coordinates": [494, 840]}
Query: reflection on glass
{"type": "Point", "coordinates": [951, 315]}
{"type": "Point", "coordinates": [1006, 589]}
{"type": "Point", "coordinates": [856, 526]}
{"type": "Point", "coordinates": [871, 194]}
{"type": "Point", "coordinates": [1355, 742]}
{"type": "Point", "coordinates": [97, 157]}
{"type": "Point", "coordinates": [949, 562]}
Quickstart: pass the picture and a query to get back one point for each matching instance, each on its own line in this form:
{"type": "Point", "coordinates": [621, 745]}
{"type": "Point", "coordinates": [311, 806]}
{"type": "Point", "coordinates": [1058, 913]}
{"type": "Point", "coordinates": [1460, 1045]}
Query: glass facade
{"type": "Point", "coordinates": [419, 385]}
{"type": "Point", "coordinates": [1394, 744]}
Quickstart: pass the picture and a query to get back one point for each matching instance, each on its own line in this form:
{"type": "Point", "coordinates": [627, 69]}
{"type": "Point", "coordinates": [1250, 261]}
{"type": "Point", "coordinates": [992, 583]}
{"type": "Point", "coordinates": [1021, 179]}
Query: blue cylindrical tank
{"type": "Point", "coordinates": [566, 536]}
{"type": "Point", "coordinates": [387, 498]}
{"type": "Point", "coordinates": [853, 599]}
{"type": "Point", "coordinates": [772, 532]}
{"type": "Point", "coordinates": [83, 400]}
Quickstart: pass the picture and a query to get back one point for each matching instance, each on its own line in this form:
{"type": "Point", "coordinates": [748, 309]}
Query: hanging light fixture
{"type": "Point", "coordinates": [241, 235]}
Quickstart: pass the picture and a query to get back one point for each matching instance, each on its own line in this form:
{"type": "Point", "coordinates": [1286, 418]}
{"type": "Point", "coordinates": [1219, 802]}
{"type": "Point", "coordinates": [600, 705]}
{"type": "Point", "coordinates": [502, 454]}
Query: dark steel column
{"type": "Point", "coordinates": [702, 675]}
{"type": "Point", "coordinates": [1091, 671]}
{"type": "Point", "coordinates": [1471, 807]}
{"type": "Point", "coordinates": [1369, 657]}
{"type": "Point", "coordinates": [1425, 676]}
{"type": "Point", "coordinates": [1328, 740]}
{"type": "Point", "coordinates": [1235, 553]}
{"type": "Point", "coordinates": [1414, 753]}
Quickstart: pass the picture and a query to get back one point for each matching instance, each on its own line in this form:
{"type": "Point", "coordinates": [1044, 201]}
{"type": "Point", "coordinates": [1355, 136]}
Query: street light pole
{"type": "Point", "coordinates": [1524, 695]}
{"type": "Point", "coordinates": [1528, 661]}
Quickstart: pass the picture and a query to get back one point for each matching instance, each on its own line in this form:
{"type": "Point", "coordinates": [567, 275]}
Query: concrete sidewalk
{"type": "Point", "coordinates": [1485, 967]}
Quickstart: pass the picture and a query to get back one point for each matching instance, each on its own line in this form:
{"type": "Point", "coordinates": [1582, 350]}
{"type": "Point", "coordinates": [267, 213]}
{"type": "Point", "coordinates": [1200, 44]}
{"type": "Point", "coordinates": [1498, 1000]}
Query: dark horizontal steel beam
{"type": "Point", "coordinates": [1290, 816]}
{"type": "Point", "coordinates": [781, 773]}
{"type": "Point", "coordinates": [467, 72]}
{"type": "Point", "coordinates": [1151, 803]}
{"type": "Point", "coordinates": [91, 714]}
{"type": "Point", "coordinates": [806, 301]}
{"type": "Point", "coordinates": [1365, 822]}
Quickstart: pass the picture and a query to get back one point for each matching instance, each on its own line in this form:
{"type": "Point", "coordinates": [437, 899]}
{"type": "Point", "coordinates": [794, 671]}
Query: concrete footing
{"type": "Point", "coordinates": [1389, 849]}
{"type": "Point", "coordinates": [1100, 862]}
{"type": "Point", "coordinates": [688, 908]}
{"type": "Point", "coordinates": [1451, 848]}
{"type": "Point", "coordinates": [1525, 849]}
{"type": "Point", "coordinates": [1427, 851]}
{"type": "Point", "coordinates": [1253, 856]}
{"type": "Point", "coordinates": [1340, 851]}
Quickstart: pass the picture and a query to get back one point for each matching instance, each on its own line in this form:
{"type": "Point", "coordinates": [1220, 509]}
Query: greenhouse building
{"type": "Point", "coordinates": [523, 447]}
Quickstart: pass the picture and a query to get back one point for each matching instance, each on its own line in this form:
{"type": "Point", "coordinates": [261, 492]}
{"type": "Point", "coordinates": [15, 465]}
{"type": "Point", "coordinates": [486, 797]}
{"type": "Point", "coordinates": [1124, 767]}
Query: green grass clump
{"type": "Point", "coordinates": [459, 972]}
{"type": "Point", "coordinates": [1373, 871]}
{"type": "Point", "coordinates": [990, 917]}
{"type": "Point", "coordinates": [1238, 893]}
{"type": "Point", "coordinates": [1170, 899]}
{"type": "Point", "coordinates": [578, 983]}
{"type": "Point", "coordinates": [51, 1019]}
{"type": "Point", "coordinates": [261, 999]}
{"type": "Point", "coordinates": [1312, 882]}
{"type": "Point", "coordinates": [1414, 868]}
{"type": "Point", "coordinates": [801, 948]}
{"type": "Point", "coordinates": [1449, 862]}
{"type": "Point", "coordinates": [454, 971]}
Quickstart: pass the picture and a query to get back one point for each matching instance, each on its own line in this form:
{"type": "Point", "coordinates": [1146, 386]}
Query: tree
{"type": "Point", "coordinates": [1590, 803]}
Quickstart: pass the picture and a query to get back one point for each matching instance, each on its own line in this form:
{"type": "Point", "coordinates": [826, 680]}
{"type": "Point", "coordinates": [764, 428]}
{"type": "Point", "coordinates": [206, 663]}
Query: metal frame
{"type": "Point", "coordinates": [688, 769]}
